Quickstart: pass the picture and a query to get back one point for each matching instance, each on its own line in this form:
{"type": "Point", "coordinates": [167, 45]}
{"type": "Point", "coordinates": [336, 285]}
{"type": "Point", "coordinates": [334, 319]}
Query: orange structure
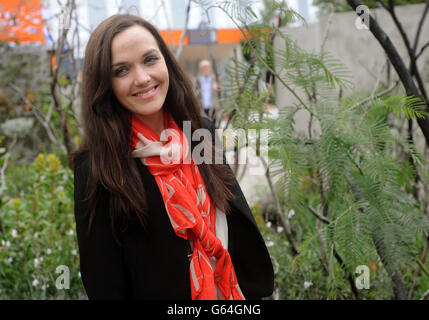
{"type": "Point", "coordinates": [21, 21]}
{"type": "Point", "coordinates": [223, 36]}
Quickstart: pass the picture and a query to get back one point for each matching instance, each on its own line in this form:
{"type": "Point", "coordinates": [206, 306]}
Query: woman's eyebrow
{"type": "Point", "coordinates": [150, 51]}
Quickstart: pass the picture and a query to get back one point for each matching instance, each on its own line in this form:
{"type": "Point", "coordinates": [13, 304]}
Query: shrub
{"type": "Point", "coordinates": [37, 232]}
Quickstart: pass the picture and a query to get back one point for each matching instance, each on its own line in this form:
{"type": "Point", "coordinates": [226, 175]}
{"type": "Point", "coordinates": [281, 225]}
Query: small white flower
{"type": "Point", "coordinates": [291, 213]}
{"type": "Point", "coordinates": [279, 229]}
{"type": "Point", "coordinates": [74, 252]}
{"type": "Point", "coordinates": [268, 224]}
{"type": "Point", "coordinates": [71, 232]}
{"type": "Point", "coordinates": [36, 235]}
{"type": "Point", "coordinates": [48, 251]}
{"type": "Point", "coordinates": [36, 263]}
{"type": "Point", "coordinates": [270, 243]}
{"type": "Point", "coordinates": [79, 275]}
{"type": "Point", "coordinates": [14, 233]}
{"type": "Point", "coordinates": [7, 243]}
{"type": "Point", "coordinates": [10, 260]}
{"type": "Point", "coordinates": [44, 287]}
{"type": "Point", "coordinates": [307, 284]}
{"type": "Point", "coordinates": [60, 248]}
{"type": "Point", "coordinates": [35, 282]}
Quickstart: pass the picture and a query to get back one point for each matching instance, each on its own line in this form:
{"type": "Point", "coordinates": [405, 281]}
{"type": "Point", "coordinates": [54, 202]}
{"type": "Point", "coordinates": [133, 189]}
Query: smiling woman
{"type": "Point", "coordinates": [140, 75]}
{"type": "Point", "coordinates": [146, 229]}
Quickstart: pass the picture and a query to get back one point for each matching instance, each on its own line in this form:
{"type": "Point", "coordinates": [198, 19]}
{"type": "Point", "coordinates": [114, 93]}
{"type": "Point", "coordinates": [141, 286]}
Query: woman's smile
{"type": "Point", "coordinates": [147, 93]}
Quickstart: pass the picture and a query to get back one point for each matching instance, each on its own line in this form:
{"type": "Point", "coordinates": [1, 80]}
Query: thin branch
{"type": "Point", "coordinates": [421, 50]}
{"type": "Point", "coordinates": [378, 80]}
{"type": "Point", "coordinates": [411, 51]}
{"type": "Point", "coordinates": [419, 29]}
{"type": "Point", "coordinates": [44, 121]}
{"type": "Point", "coordinates": [398, 64]}
{"type": "Point", "coordinates": [59, 54]}
{"type": "Point", "coordinates": [425, 295]}
{"type": "Point", "coordinates": [319, 216]}
{"type": "Point", "coordinates": [261, 60]}
{"type": "Point", "coordinates": [3, 168]}
{"type": "Point", "coordinates": [170, 32]}
{"type": "Point", "coordinates": [371, 73]}
{"type": "Point", "coordinates": [383, 93]}
{"type": "Point", "coordinates": [336, 254]}
{"type": "Point", "coordinates": [328, 27]}
{"type": "Point", "coordinates": [283, 221]}
{"type": "Point", "coordinates": [184, 33]}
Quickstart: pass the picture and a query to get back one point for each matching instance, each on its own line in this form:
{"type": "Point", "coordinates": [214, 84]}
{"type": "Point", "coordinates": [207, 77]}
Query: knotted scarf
{"type": "Point", "coordinates": [189, 207]}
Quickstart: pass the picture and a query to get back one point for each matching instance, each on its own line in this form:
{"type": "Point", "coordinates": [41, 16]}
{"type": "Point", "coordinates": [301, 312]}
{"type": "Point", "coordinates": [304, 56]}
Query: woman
{"type": "Point", "coordinates": [146, 227]}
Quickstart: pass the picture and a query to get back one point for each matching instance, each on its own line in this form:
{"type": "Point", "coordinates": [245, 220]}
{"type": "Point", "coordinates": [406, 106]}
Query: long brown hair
{"type": "Point", "coordinates": [107, 128]}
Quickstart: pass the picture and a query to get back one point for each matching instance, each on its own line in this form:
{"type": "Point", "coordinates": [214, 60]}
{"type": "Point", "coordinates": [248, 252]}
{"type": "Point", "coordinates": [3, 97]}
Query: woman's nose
{"type": "Point", "coordinates": [141, 76]}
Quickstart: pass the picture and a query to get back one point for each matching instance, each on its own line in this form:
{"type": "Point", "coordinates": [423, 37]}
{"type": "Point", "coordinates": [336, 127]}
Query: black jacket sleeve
{"type": "Point", "coordinates": [101, 257]}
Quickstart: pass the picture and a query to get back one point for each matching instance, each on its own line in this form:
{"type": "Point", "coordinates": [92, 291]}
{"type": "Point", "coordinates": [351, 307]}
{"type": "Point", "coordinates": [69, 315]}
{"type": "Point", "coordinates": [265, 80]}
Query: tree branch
{"type": "Point", "coordinates": [54, 85]}
{"type": "Point", "coordinates": [3, 168]}
{"type": "Point", "coordinates": [421, 50]}
{"type": "Point", "coordinates": [184, 33]}
{"type": "Point", "coordinates": [336, 254]}
{"type": "Point", "coordinates": [283, 221]}
{"type": "Point", "coordinates": [425, 295]}
{"type": "Point", "coordinates": [319, 216]}
{"type": "Point", "coordinates": [44, 121]}
{"type": "Point", "coordinates": [383, 93]}
{"type": "Point", "coordinates": [398, 64]}
{"type": "Point", "coordinates": [411, 51]}
{"type": "Point", "coordinates": [419, 29]}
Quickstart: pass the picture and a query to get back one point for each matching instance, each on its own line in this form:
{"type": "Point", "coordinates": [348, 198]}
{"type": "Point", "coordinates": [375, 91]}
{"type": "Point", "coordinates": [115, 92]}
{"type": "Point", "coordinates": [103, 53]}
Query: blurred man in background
{"type": "Point", "coordinates": [206, 88]}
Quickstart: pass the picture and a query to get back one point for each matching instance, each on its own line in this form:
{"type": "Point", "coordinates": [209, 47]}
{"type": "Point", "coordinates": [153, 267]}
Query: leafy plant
{"type": "Point", "coordinates": [357, 190]}
{"type": "Point", "coordinates": [38, 233]}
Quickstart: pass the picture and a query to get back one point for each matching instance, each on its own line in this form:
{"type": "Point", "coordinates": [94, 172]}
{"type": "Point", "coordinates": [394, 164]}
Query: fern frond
{"type": "Point", "coordinates": [408, 106]}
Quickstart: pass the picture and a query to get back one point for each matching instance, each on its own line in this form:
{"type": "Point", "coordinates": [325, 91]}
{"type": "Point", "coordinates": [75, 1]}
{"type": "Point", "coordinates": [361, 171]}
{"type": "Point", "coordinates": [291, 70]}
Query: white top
{"type": "Point", "coordinates": [222, 227]}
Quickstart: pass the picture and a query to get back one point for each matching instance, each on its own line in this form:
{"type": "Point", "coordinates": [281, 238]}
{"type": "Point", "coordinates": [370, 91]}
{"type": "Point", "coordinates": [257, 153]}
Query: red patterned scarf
{"type": "Point", "coordinates": [189, 208]}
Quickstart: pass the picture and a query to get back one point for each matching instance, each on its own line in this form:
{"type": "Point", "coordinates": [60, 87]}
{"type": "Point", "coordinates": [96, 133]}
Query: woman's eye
{"type": "Point", "coordinates": [150, 59]}
{"type": "Point", "coordinates": [120, 71]}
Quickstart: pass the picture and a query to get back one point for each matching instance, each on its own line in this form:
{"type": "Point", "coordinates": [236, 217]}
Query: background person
{"type": "Point", "coordinates": [206, 88]}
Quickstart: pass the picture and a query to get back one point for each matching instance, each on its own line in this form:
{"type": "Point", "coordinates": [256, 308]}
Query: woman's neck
{"type": "Point", "coordinates": [154, 121]}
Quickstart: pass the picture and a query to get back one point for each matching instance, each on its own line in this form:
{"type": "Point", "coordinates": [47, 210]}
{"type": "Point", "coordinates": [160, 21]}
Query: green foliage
{"type": "Point", "coordinates": [26, 67]}
{"type": "Point", "coordinates": [349, 173]}
{"type": "Point", "coordinates": [278, 10]}
{"type": "Point", "coordinates": [37, 232]}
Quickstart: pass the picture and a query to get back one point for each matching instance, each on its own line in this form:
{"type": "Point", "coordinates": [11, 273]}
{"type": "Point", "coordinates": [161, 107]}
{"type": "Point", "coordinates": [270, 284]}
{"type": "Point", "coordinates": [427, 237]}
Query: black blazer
{"type": "Point", "coordinates": [154, 264]}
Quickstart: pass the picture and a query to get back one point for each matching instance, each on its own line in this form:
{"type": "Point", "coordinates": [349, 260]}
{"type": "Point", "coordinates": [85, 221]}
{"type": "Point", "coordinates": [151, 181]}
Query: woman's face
{"type": "Point", "coordinates": [139, 73]}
